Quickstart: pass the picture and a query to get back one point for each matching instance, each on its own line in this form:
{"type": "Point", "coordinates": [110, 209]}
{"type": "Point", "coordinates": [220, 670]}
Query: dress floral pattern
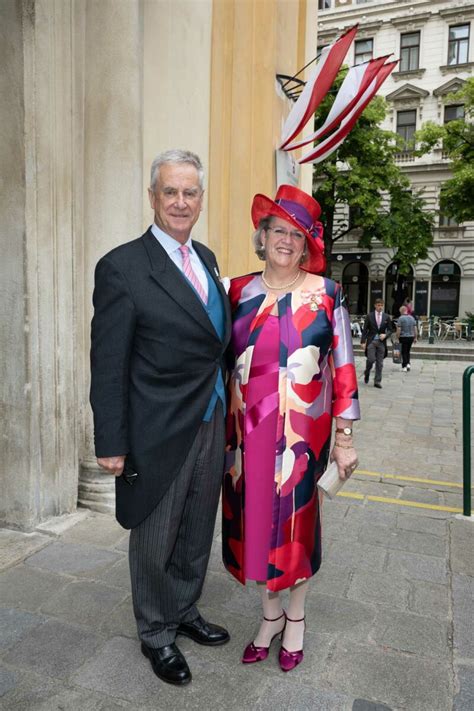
{"type": "Point", "coordinates": [316, 382]}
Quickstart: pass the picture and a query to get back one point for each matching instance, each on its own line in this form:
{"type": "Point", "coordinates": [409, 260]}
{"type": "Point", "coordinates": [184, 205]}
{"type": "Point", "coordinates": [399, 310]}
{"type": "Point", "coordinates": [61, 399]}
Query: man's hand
{"type": "Point", "coordinates": [112, 465]}
{"type": "Point", "coordinates": [383, 336]}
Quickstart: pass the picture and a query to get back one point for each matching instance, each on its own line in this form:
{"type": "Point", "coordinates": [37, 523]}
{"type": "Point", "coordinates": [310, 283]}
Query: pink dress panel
{"type": "Point", "coordinates": [260, 450]}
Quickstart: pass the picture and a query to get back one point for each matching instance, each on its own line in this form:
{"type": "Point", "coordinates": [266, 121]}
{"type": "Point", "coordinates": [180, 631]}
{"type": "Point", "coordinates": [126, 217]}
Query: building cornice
{"type": "Point", "coordinates": [457, 13]}
{"type": "Point", "coordinates": [412, 74]}
{"type": "Point", "coordinates": [449, 87]}
{"type": "Point", "coordinates": [456, 68]}
{"type": "Point", "coordinates": [407, 92]}
{"type": "Point", "coordinates": [411, 20]}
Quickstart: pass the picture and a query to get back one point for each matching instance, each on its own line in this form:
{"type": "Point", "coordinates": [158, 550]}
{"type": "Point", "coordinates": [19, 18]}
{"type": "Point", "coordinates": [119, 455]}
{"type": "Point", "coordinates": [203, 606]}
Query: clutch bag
{"type": "Point", "coordinates": [330, 482]}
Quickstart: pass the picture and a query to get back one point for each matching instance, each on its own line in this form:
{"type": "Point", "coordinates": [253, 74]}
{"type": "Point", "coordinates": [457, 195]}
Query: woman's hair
{"type": "Point", "coordinates": [263, 225]}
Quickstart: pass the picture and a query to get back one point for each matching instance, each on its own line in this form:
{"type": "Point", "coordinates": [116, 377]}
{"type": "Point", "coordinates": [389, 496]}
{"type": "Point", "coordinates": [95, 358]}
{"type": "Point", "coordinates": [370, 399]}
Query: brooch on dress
{"type": "Point", "coordinates": [313, 298]}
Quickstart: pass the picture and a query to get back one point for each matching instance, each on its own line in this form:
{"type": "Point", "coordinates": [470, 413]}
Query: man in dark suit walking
{"type": "Point", "coordinates": [377, 327]}
{"type": "Point", "coordinates": [160, 329]}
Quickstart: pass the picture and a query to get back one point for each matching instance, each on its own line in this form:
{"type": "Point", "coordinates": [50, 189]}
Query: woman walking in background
{"type": "Point", "coordinates": [406, 333]}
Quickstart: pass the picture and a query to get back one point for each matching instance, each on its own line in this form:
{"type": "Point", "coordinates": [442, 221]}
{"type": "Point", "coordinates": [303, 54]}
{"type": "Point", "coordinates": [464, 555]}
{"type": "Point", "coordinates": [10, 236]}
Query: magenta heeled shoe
{"type": "Point", "coordinates": [290, 660]}
{"type": "Point", "coordinates": [254, 654]}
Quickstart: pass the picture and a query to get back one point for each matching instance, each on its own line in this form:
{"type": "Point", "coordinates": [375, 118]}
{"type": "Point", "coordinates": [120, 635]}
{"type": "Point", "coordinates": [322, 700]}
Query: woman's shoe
{"type": "Point", "coordinates": [290, 660]}
{"type": "Point", "coordinates": [254, 654]}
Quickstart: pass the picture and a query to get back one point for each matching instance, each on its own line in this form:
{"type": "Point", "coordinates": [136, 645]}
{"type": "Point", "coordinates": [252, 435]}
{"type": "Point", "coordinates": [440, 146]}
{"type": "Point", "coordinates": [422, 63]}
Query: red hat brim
{"type": "Point", "coordinates": [262, 206]}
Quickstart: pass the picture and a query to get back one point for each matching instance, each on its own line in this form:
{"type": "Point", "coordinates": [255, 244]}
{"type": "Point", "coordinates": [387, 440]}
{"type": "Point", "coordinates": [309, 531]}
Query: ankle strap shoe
{"type": "Point", "coordinates": [290, 660]}
{"type": "Point", "coordinates": [253, 654]}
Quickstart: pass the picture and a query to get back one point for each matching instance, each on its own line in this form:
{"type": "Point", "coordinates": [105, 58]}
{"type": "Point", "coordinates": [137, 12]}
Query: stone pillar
{"type": "Point", "coordinates": [112, 178]}
{"type": "Point", "coordinates": [38, 416]}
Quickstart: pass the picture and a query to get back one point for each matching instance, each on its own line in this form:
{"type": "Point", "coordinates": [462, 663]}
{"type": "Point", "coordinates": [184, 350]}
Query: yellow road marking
{"type": "Point", "coordinates": [399, 502]}
{"type": "Point", "coordinates": [401, 477]}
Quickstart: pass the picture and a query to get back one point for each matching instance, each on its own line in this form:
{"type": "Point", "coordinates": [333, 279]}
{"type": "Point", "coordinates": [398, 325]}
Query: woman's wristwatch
{"type": "Point", "coordinates": [347, 432]}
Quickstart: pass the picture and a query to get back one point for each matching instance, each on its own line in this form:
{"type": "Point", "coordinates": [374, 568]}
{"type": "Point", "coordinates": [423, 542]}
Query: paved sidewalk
{"type": "Point", "coordinates": [390, 615]}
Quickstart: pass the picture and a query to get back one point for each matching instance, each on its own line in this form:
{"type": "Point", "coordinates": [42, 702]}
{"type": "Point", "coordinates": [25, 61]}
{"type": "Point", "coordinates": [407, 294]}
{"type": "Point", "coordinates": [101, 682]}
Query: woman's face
{"type": "Point", "coordinates": [284, 245]}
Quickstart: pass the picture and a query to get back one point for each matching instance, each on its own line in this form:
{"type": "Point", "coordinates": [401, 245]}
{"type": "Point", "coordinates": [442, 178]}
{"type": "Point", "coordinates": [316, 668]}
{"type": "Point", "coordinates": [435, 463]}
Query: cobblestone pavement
{"type": "Point", "coordinates": [390, 623]}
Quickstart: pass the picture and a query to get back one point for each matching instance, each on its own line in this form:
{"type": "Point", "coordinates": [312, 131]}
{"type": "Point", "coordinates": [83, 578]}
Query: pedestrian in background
{"type": "Point", "coordinates": [408, 304]}
{"type": "Point", "coordinates": [377, 326]}
{"type": "Point", "coordinates": [406, 333]}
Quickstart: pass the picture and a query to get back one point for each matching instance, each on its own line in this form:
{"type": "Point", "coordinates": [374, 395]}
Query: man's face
{"type": "Point", "coordinates": [177, 199]}
{"type": "Point", "coordinates": [379, 307]}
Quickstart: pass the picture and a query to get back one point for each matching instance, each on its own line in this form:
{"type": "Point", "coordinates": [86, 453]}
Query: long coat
{"type": "Point", "coordinates": [155, 358]}
{"type": "Point", "coordinates": [317, 381]}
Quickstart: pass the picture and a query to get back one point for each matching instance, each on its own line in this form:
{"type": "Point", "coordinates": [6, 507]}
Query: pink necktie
{"type": "Point", "coordinates": [190, 274]}
{"type": "Point", "coordinates": [379, 319]}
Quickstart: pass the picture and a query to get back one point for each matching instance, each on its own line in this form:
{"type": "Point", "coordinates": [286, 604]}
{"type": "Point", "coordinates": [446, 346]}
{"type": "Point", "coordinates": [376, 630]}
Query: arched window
{"type": "Point", "coordinates": [445, 287]}
{"type": "Point", "coordinates": [397, 288]}
{"type": "Point", "coordinates": [355, 280]}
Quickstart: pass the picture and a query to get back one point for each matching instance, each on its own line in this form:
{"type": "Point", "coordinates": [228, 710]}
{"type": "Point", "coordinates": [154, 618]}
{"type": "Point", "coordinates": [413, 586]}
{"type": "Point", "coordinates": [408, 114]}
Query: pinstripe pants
{"type": "Point", "coordinates": [169, 550]}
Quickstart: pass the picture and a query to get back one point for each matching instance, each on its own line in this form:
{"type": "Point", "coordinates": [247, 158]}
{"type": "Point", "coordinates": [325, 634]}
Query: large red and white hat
{"type": "Point", "coordinates": [302, 211]}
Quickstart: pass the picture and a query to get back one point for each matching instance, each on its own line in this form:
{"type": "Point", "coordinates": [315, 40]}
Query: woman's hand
{"type": "Point", "coordinates": [346, 460]}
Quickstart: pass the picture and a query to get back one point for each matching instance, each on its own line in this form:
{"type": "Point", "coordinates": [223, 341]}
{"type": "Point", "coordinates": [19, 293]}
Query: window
{"type": "Point", "coordinates": [444, 219]}
{"type": "Point", "coordinates": [324, 4]}
{"type": "Point", "coordinates": [453, 112]}
{"type": "Point", "coordinates": [354, 216]}
{"type": "Point", "coordinates": [364, 50]}
{"type": "Point", "coordinates": [458, 48]}
{"type": "Point", "coordinates": [410, 51]}
{"type": "Point", "coordinates": [406, 126]}
{"type": "Point", "coordinates": [445, 289]}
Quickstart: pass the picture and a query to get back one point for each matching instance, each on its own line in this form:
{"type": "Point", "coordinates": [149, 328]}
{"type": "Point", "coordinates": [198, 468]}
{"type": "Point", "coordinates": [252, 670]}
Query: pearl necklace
{"type": "Point", "coordinates": [284, 286]}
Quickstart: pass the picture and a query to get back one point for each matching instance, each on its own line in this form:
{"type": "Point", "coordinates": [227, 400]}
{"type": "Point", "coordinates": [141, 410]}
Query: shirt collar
{"type": "Point", "coordinates": [168, 243]}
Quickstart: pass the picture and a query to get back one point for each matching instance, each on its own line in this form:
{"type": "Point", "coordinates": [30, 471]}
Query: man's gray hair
{"type": "Point", "coordinates": [176, 155]}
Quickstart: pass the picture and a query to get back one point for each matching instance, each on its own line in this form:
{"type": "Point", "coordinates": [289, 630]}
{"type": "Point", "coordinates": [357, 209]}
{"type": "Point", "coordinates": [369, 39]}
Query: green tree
{"type": "Point", "coordinates": [457, 138]}
{"type": "Point", "coordinates": [363, 175]}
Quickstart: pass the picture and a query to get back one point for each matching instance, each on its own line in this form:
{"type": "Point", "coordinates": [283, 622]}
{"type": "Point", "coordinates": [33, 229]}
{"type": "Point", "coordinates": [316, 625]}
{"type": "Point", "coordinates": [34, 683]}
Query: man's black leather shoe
{"type": "Point", "coordinates": [168, 664]}
{"type": "Point", "coordinates": [203, 632]}
{"type": "Point", "coordinates": [377, 385]}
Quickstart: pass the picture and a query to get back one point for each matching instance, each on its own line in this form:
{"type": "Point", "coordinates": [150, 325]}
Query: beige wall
{"type": "Point", "coordinates": [176, 87]}
{"type": "Point", "coordinates": [251, 43]}
{"type": "Point", "coordinates": [95, 88]}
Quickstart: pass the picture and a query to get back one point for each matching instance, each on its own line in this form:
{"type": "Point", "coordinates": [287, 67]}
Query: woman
{"type": "Point", "coordinates": [292, 371]}
{"type": "Point", "coordinates": [408, 304]}
{"type": "Point", "coordinates": [406, 333]}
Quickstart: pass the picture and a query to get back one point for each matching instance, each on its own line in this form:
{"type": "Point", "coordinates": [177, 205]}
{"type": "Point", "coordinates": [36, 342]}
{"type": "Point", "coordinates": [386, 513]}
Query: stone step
{"type": "Point", "coordinates": [464, 354]}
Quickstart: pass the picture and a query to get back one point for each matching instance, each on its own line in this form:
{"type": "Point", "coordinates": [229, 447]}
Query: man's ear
{"type": "Point", "coordinates": [152, 198]}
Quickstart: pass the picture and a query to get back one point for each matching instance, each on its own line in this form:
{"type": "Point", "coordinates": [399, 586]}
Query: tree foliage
{"type": "Point", "coordinates": [363, 175]}
{"type": "Point", "coordinates": [457, 138]}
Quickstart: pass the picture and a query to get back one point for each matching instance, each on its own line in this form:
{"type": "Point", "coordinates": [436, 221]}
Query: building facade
{"type": "Point", "coordinates": [91, 91]}
{"type": "Point", "coordinates": [433, 40]}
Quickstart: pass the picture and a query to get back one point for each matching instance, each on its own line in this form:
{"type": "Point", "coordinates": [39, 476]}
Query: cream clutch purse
{"type": "Point", "coordinates": [331, 482]}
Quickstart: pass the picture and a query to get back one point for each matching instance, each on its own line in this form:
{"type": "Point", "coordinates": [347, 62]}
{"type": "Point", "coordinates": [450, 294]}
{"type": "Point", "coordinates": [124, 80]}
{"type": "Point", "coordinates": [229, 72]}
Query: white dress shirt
{"type": "Point", "coordinates": [171, 247]}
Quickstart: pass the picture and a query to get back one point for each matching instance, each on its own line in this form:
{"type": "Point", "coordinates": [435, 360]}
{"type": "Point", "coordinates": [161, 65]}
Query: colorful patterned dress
{"type": "Point", "coordinates": [313, 381]}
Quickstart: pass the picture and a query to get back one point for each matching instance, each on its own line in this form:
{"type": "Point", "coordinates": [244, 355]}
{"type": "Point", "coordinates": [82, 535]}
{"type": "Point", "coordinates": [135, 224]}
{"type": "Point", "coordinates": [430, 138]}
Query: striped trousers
{"type": "Point", "coordinates": [169, 550]}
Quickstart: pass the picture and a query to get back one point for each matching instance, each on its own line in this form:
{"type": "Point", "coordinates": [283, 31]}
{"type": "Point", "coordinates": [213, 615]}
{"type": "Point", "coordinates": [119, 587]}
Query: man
{"type": "Point", "coordinates": [160, 328]}
{"type": "Point", "coordinates": [377, 326]}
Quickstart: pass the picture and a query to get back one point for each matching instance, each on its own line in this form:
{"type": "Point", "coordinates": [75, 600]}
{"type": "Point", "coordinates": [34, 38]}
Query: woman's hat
{"type": "Point", "coordinates": [302, 210]}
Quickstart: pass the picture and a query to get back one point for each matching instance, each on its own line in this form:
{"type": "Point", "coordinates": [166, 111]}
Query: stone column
{"type": "Point", "coordinates": [112, 178]}
{"type": "Point", "coordinates": [39, 461]}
